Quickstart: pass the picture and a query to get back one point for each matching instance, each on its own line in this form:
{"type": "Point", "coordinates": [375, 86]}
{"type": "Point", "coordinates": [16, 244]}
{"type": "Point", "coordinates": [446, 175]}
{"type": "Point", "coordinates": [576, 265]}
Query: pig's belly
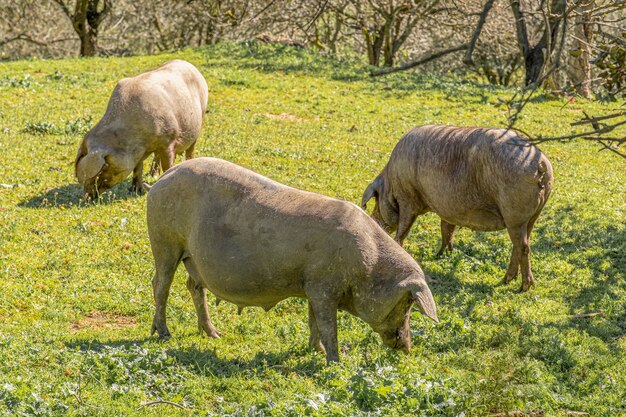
{"type": "Point", "coordinates": [248, 280]}
{"type": "Point", "coordinates": [485, 220]}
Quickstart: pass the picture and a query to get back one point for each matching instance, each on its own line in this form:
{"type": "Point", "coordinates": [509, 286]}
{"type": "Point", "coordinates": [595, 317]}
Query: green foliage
{"type": "Point", "coordinates": [71, 127]}
{"type": "Point", "coordinates": [24, 82]}
{"type": "Point", "coordinates": [75, 292]}
{"type": "Point", "coordinates": [611, 69]}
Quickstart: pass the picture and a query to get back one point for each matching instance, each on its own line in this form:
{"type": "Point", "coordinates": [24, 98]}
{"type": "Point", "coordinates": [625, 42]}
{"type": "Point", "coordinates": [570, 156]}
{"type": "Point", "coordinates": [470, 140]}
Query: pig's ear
{"type": "Point", "coordinates": [82, 151]}
{"type": "Point", "coordinates": [425, 301]}
{"type": "Point", "coordinates": [372, 190]}
{"type": "Point", "coordinates": [89, 166]}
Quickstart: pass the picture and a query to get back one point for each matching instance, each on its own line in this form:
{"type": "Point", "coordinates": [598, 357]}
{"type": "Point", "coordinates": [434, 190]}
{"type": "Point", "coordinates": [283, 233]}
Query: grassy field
{"type": "Point", "coordinates": [75, 293]}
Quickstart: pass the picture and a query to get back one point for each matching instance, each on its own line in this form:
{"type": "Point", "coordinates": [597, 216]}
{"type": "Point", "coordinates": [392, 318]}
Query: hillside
{"type": "Point", "coordinates": [76, 300]}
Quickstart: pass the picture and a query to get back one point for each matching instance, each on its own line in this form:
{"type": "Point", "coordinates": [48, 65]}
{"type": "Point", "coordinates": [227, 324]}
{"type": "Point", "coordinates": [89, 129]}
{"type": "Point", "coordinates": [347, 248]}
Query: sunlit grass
{"type": "Point", "coordinates": [75, 293]}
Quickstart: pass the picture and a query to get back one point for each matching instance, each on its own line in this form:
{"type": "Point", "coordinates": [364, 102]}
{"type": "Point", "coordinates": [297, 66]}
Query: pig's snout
{"type": "Point", "coordinates": [401, 340]}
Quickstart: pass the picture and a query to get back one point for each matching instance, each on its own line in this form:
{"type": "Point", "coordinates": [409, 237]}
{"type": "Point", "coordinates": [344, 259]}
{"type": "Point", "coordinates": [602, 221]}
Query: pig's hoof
{"type": "Point", "coordinates": [507, 278]}
{"type": "Point", "coordinates": [162, 330]}
{"type": "Point", "coordinates": [330, 358]}
{"type": "Point", "coordinates": [139, 189]}
{"type": "Point", "coordinates": [526, 285]}
{"type": "Point", "coordinates": [315, 343]}
{"type": "Point", "coordinates": [164, 336]}
{"type": "Point", "coordinates": [317, 346]}
{"type": "Point", "coordinates": [209, 330]}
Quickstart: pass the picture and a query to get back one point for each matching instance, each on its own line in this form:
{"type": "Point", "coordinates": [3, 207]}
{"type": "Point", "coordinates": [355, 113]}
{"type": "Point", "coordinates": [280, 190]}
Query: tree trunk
{"type": "Point", "coordinates": [579, 69]}
{"type": "Point", "coordinates": [374, 43]}
{"type": "Point", "coordinates": [88, 42]}
{"type": "Point", "coordinates": [388, 52]}
{"type": "Point", "coordinates": [536, 56]}
{"type": "Point", "coordinates": [86, 20]}
{"type": "Point", "coordinates": [534, 62]}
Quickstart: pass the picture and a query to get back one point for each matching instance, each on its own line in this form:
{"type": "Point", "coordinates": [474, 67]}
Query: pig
{"type": "Point", "coordinates": [483, 179]}
{"type": "Point", "coordinates": [253, 242]}
{"type": "Point", "coordinates": [158, 112]}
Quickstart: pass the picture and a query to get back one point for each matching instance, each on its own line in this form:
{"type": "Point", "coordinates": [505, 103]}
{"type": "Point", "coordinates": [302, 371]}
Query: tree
{"type": "Point", "coordinates": [86, 20]}
{"type": "Point", "coordinates": [579, 65]}
{"type": "Point", "coordinates": [601, 129]}
{"type": "Point", "coordinates": [536, 56]}
{"type": "Point", "coordinates": [384, 26]}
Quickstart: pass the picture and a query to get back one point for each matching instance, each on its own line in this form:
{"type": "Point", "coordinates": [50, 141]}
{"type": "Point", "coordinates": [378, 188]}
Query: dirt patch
{"type": "Point", "coordinates": [102, 320]}
{"type": "Point", "coordinates": [290, 117]}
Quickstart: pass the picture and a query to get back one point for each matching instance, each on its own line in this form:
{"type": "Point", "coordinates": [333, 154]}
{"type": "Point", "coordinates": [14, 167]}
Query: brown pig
{"type": "Point", "coordinates": [158, 112]}
{"type": "Point", "coordinates": [254, 242]}
{"type": "Point", "coordinates": [483, 179]}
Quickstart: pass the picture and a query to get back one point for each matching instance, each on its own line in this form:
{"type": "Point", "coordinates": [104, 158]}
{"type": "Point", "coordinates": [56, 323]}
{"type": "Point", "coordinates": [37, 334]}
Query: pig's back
{"type": "Point", "coordinates": [464, 174]}
{"type": "Point", "coordinates": [249, 235]}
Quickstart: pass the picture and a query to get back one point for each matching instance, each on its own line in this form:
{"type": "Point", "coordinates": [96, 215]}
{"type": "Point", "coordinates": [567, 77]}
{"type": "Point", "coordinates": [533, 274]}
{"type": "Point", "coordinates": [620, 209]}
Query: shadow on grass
{"type": "Point", "coordinates": [208, 362]}
{"type": "Point", "coordinates": [271, 58]}
{"type": "Point", "coordinates": [596, 306]}
{"type": "Point", "coordinates": [598, 246]}
{"type": "Point", "coordinates": [204, 362]}
{"type": "Point", "coordinates": [466, 255]}
{"type": "Point", "coordinates": [70, 195]}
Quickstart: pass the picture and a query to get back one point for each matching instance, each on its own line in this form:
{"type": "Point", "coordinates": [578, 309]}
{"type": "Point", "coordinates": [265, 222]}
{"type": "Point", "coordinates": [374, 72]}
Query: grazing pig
{"type": "Point", "coordinates": [254, 242]}
{"type": "Point", "coordinates": [158, 112]}
{"type": "Point", "coordinates": [484, 179]}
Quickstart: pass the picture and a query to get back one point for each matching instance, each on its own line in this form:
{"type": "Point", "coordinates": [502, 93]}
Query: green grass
{"type": "Point", "coordinates": [75, 293]}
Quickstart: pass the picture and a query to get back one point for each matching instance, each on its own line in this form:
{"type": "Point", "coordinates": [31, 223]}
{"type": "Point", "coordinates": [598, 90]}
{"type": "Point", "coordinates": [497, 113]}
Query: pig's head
{"type": "Point", "coordinates": [394, 328]}
{"type": "Point", "coordinates": [386, 210]}
{"type": "Point", "coordinates": [99, 169]}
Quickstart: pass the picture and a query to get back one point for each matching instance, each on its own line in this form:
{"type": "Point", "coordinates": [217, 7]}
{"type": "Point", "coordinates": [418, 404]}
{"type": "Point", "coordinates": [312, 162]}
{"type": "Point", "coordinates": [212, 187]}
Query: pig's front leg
{"type": "Point", "coordinates": [315, 342]}
{"type": "Point", "coordinates": [325, 312]}
{"type": "Point", "coordinates": [137, 184]}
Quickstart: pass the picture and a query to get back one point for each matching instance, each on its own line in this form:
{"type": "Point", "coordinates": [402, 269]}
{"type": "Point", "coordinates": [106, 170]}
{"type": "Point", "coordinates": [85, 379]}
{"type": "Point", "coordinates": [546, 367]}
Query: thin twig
{"type": "Point", "coordinates": [155, 402]}
{"type": "Point", "coordinates": [519, 413]}
{"type": "Point", "coordinates": [420, 61]}
{"type": "Point", "coordinates": [479, 27]}
{"type": "Point", "coordinates": [262, 11]}
{"type": "Point", "coordinates": [587, 315]}
{"type": "Point", "coordinates": [317, 15]}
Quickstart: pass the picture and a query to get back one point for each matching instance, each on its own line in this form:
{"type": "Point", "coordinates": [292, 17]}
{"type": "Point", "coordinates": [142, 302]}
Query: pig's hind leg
{"type": "Point", "coordinates": [198, 294]}
{"type": "Point", "coordinates": [447, 233]}
{"type": "Point", "coordinates": [155, 167]}
{"type": "Point", "coordinates": [520, 256]}
{"type": "Point", "coordinates": [166, 260]}
{"type": "Point", "coordinates": [189, 151]}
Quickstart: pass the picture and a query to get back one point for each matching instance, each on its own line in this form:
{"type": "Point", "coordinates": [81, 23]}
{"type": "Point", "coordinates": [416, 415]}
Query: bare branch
{"type": "Point", "coordinates": [420, 61]}
{"type": "Point", "coordinates": [22, 37]}
{"type": "Point", "coordinates": [163, 402]}
{"type": "Point", "coordinates": [64, 7]}
{"type": "Point", "coordinates": [479, 27]}
{"type": "Point", "coordinates": [598, 134]}
{"type": "Point", "coordinates": [262, 10]}
{"type": "Point", "coordinates": [317, 15]}
{"type": "Point", "coordinates": [611, 37]}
